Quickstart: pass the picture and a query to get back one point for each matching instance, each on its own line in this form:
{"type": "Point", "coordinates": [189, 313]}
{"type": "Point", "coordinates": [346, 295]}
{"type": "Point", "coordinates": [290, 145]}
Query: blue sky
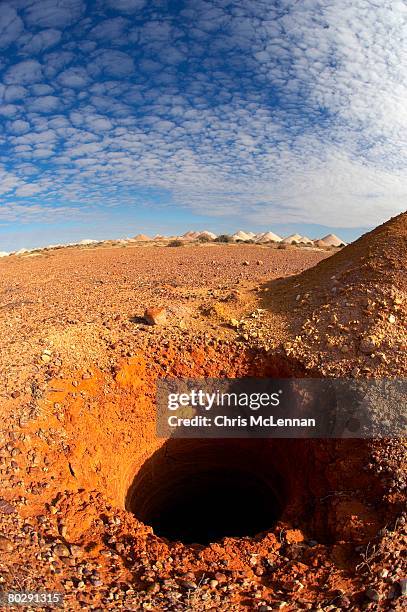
{"type": "Point", "coordinates": [122, 116]}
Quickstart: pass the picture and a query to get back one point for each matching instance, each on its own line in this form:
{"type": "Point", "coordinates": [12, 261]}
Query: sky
{"type": "Point", "coordinates": [160, 116]}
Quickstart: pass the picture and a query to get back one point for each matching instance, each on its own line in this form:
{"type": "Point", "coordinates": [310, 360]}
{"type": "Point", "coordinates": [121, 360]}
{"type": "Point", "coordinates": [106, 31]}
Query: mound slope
{"type": "Point", "coordinates": [349, 311]}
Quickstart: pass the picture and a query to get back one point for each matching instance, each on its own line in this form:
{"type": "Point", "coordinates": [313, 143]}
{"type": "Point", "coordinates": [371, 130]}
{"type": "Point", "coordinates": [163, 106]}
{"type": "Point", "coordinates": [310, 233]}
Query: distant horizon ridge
{"type": "Point", "coordinates": [192, 235]}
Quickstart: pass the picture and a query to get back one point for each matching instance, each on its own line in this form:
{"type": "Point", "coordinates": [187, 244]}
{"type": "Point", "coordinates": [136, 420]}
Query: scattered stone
{"type": "Point", "coordinates": [392, 318]}
{"type": "Point", "coordinates": [6, 507]}
{"type": "Point", "coordinates": [246, 263]}
{"type": "Point", "coordinates": [403, 587]}
{"type": "Point", "coordinates": [188, 584]}
{"type": "Point", "coordinates": [15, 394]}
{"type": "Point", "coordinates": [155, 316]}
{"type": "Point", "coordinates": [344, 602]}
{"type": "Point", "coordinates": [76, 551]}
{"type": "Point", "coordinates": [372, 594]}
{"type": "Point", "coordinates": [5, 544]}
{"type": "Point", "coordinates": [61, 550]}
{"type": "Point", "coordinates": [368, 345]}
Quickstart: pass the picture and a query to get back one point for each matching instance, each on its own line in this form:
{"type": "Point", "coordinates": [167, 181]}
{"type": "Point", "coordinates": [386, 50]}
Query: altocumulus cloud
{"type": "Point", "coordinates": [272, 111]}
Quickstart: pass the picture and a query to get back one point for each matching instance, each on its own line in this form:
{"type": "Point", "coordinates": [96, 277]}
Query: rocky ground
{"type": "Point", "coordinates": [79, 365]}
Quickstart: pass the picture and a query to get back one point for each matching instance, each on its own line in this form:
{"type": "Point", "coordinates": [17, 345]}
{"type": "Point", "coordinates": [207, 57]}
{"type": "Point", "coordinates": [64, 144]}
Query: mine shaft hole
{"type": "Point", "coordinates": [200, 491]}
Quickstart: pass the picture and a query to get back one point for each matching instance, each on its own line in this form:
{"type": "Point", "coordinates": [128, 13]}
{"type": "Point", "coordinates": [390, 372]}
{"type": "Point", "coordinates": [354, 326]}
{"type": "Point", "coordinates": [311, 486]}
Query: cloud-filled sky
{"type": "Point", "coordinates": [134, 115]}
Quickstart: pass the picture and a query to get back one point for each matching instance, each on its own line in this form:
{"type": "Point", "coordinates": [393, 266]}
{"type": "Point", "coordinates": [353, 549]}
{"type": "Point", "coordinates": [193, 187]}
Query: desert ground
{"type": "Point", "coordinates": [85, 482]}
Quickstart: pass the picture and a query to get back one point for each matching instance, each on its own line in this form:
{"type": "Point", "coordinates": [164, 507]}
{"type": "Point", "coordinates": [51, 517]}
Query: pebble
{"type": "Point", "coordinates": [372, 594]}
{"type": "Point", "coordinates": [5, 544]}
{"type": "Point", "coordinates": [245, 263]}
{"type": "Point", "coordinates": [155, 316]}
{"type": "Point", "coordinates": [61, 550]}
{"type": "Point", "coordinates": [6, 507]}
{"type": "Point", "coordinates": [188, 584]}
{"type": "Point", "coordinates": [368, 345]}
{"type": "Point", "coordinates": [345, 602]}
{"type": "Point", "coordinates": [392, 318]}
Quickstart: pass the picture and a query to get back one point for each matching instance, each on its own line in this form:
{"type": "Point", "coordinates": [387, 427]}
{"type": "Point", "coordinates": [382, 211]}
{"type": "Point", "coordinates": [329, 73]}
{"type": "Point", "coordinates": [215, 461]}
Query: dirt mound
{"type": "Point", "coordinates": [292, 239]}
{"type": "Point", "coordinates": [349, 311]}
{"type": "Point", "coordinates": [332, 240]}
{"type": "Point", "coordinates": [268, 237]}
{"type": "Point", "coordinates": [242, 236]}
{"type": "Point", "coordinates": [206, 234]}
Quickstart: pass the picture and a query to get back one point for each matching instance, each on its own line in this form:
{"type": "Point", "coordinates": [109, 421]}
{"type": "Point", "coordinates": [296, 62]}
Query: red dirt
{"type": "Point", "coordinates": [78, 418]}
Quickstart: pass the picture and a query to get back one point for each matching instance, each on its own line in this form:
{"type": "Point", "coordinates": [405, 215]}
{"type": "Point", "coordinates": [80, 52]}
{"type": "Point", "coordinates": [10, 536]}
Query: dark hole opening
{"type": "Point", "coordinates": [200, 491]}
{"type": "Point", "coordinates": [213, 505]}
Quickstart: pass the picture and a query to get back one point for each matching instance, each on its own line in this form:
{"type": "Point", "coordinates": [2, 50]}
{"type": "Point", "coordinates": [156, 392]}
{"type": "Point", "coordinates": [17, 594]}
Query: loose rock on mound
{"type": "Point", "coordinates": [349, 312]}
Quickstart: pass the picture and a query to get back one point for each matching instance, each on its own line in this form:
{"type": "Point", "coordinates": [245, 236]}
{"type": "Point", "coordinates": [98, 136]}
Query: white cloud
{"type": "Point", "coordinates": [111, 29]}
{"type": "Point", "coordinates": [53, 13]}
{"type": "Point", "coordinates": [23, 73]}
{"type": "Point", "coordinates": [40, 42]}
{"type": "Point", "coordinates": [56, 61]}
{"type": "Point", "coordinates": [41, 89]}
{"type": "Point", "coordinates": [74, 77]}
{"type": "Point", "coordinates": [97, 123]}
{"type": "Point", "coordinates": [19, 126]}
{"type": "Point", "coordinates": [111, 63]}
{"type": "Point", "coordinates": [44, 104]}
{"type": "Point", "coordinates": [8, 182]}
{"type": "Point", "coordinates": [13, 93]}
{"type": "Point", "coordinates": [27, 190]}
{"type": "Point", "coordinates": [8, 110]}
{"type": "Point", "coordinates": [11, 26]}
{"type": "Point", "coordinates": [126, 6]}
